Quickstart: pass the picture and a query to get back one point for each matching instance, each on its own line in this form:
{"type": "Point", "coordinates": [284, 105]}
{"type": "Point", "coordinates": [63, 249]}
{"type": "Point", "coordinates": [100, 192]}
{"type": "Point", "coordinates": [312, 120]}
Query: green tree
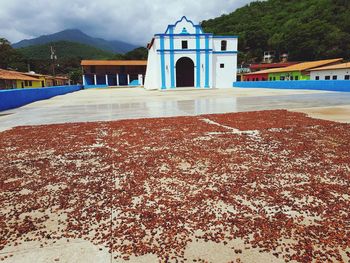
{"type": "Point", "coordinates": [306, 29]}
{"type": "Point", "coordinates": [76, 76]}
{"type": "Point", "coordinates": [140, 53]}
{"type": "Point", "coordinates": [9, 57]}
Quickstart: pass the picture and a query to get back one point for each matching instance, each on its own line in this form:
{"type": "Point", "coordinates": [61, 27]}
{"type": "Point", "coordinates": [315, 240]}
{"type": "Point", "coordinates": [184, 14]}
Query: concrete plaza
{"type": "Point", "coordinates": [98, 191]}
{"type": "Point", "coordinates": [132, 103]}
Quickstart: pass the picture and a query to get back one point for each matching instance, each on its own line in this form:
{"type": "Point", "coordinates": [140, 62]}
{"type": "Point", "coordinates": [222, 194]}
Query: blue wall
{"type": "Point", "coordinates": [95, 86]}
{"type": "Point", "coordinates": [330, 85]}
{"type": "Point", "coordinates": [135, 82]}
{"type": "Point", "coordinates": [14, 98]}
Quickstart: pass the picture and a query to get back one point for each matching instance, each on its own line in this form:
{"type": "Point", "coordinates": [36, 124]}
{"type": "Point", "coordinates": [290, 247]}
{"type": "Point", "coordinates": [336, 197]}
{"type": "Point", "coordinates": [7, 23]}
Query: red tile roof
{"type": "Point", "coordinates": [114, 63]}
{"type": "Point", "coordinates": [271, 65]}
{"type": "Point", "coordinates": [301, 66]}
{"type": "Point", "coordinates": [14, 75]}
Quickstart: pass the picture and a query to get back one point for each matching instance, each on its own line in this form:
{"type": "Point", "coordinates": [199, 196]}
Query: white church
{"type": "Point", "coordinates": [185, 56]}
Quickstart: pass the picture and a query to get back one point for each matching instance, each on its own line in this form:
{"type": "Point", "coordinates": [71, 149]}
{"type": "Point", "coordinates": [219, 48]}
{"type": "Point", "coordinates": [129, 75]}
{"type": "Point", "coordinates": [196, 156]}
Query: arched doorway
{"type": "Point", "coordinates": [184, 72]}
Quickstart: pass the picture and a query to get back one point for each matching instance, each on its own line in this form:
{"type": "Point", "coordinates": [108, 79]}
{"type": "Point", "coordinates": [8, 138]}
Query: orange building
{"type": "Point", "coordinates": [10, 79]}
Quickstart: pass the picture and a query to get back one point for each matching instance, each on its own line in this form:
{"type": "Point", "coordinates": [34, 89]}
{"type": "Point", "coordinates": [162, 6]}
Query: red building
{"type": "Point", "coordinates": [263, 66]}
{"type": "Point", "coordinates": [256, 75]}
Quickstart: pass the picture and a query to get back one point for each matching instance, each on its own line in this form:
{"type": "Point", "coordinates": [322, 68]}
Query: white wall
{"type": "Point", "coordinates": [155, 63]}
{"type": "Point", "coordinates": [202, 69]}
{"type": "Point", "coordinates": [218, 77]}
{"type": "Point", "coordinates": [340, 73]}
{"type": "Point", "coordinates": [224, 77]}
{"type": "Point", "coordinates": [191, 42]}
{"type": "Point", "coordinates": [152, 80]}
{"type": "Point", "coordinates": [232, 44]}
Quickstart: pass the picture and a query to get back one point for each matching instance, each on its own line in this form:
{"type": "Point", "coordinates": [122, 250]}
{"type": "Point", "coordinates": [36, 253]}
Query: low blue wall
{"type": "Point", "coordinates": [95, 86]}
{"type": "Point", "coordinates": [14, 98]}
{"type": "Point", "coordinates": [134, 83]}
{"type": "Point", "coordinates": [329, 85]}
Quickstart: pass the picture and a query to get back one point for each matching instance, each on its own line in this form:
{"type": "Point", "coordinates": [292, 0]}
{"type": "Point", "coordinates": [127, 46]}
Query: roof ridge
{"type": "Point", "coordinates": [336, 66]}
{"type": "Point", "coordinates": [299, 67]}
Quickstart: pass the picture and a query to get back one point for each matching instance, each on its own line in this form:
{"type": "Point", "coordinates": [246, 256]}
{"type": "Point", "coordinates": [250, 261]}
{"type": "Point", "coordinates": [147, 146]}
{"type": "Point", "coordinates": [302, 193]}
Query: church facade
{"type": "Point", "coordinates": [185, 56]}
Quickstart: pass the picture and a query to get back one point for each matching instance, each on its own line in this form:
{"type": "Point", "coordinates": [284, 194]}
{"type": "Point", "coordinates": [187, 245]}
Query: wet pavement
{"type": "Point", "coordinates": [132, 103]}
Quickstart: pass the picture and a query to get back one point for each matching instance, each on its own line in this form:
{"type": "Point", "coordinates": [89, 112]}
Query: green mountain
{"type": "Point", "coordinates": [69, 56]}
{"type": "Point", "coordinates": [75, 35]}
{"type": "Point", "coordinates": [306, 29]}
{"type": "Point", "coordinates": [64, 50]}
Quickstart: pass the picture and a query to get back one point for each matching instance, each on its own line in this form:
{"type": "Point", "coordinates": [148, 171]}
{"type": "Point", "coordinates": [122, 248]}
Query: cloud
{"type": "Point", "coordinates": [134, 21]}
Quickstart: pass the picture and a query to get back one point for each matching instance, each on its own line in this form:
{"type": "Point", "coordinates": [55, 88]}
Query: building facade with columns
{"type": "Point", "coordinates": [104, 73]}
{"type": "Point", "coordinates": [185, 56]}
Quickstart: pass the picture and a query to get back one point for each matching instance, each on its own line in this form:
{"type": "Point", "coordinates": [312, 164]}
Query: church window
{"type": "Point", "coordinates": [223, 45]}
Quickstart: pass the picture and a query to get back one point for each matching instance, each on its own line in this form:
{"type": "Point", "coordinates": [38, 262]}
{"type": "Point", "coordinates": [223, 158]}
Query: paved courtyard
{"type": "Point", "coordinates": [132, 103]}
{"type": "Point", "coordinates": [102, 176]}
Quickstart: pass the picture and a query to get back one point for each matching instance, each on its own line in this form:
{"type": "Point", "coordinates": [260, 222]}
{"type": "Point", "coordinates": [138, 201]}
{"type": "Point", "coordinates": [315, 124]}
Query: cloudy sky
{"type": "Point", "coordinates": [133, 21]}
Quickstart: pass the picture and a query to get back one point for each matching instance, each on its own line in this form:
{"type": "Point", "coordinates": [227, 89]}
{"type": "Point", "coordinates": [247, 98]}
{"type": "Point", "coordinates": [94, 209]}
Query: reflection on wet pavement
{"type": "Point", "coordinates": [104, 105]}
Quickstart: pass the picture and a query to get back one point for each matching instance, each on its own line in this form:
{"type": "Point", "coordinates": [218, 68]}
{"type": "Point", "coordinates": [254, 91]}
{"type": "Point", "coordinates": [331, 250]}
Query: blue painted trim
{"type": "Point", "coordinates": [198, 50]}
{"type": "Point", "coordinates": [182, 18]}
{"type": "Point", "coordinates": [198, 59]}
{"type": "Point", "coordinates": [206, 63]}
{"type": "Point", "coordinates": [225, 36]}
{"type": "Point", "coordinates": [184, 50]}
{"type": "Point", "coordinates": [184, 31]}
{"type": "Point", "coordinates": [225, 52]}
{"type": "Point", "coordinates": [14, 98]}
{"type": "Point", "coordinates": [329, 85]}
{"type": "Point", "coordinates": [181, 35]}
{"type": "Point", "coordinates": [162, 62]}
{"type": "Point", "coordinates": [172, 60]}
{"type": "Point", "coordinates": [194, 35]}
{"type": "Point", "coordinates": [199, 29]}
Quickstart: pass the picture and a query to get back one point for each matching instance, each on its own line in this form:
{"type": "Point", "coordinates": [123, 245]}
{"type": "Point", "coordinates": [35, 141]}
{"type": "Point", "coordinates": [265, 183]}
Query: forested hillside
{"type": "Point", "coordinates": [69, 56]}
{"type": "Point", "coordinates": [306, 29]}
{"type": "Point", "coordinates": [64, 50]}
{"type": "Point", "coordinates": [77, 36]}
